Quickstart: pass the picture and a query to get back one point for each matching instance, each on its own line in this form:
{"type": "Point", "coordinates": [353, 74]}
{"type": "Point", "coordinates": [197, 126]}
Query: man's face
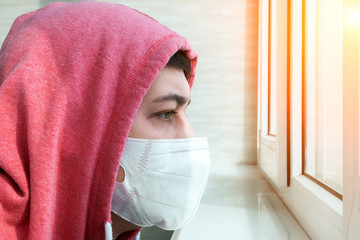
{"type": "Point", "coordinates": [161, 114]}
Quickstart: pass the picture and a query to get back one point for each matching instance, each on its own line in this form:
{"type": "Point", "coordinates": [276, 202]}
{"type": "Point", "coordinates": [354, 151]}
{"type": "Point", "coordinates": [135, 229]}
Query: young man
{"type": "Point", "coordinates": [94, 141]}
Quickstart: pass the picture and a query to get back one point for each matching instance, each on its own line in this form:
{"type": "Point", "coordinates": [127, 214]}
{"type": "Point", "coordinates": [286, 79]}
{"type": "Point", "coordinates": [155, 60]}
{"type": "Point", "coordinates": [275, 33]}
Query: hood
{"type": "Point", "coordinates": [72, 76]}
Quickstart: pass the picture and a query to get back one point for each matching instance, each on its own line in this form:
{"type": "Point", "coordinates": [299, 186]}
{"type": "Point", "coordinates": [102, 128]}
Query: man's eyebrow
{"type": "Point", "coordinates": [180, 100]}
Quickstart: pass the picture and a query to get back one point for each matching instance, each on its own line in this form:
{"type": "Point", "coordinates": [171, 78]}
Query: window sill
{"type": "Point", "coordinates": [329, 205]}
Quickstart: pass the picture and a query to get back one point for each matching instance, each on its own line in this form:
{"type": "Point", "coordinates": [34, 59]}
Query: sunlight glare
{"type": "Point", "coordinates": [353, 17]}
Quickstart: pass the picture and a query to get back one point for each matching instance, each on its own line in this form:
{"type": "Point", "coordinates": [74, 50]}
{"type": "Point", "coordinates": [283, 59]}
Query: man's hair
{"type": "Point", "coordinates": [178, 60]}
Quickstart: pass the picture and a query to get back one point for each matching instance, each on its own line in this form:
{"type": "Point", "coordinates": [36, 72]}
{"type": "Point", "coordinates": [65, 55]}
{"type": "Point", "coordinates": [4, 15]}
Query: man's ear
{"type": "Point", "coordinates": [120, 175]}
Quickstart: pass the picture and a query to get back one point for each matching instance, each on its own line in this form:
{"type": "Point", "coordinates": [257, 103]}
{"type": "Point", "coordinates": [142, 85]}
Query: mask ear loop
{"type": "Point", "coordinates": [108, 231]}
{"type": "Point", "coordinates": [108, 227]}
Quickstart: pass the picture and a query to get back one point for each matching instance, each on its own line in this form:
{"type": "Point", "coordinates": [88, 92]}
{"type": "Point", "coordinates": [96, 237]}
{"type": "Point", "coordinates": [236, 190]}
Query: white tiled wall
{"type": "Point", "coordinates": [10, 9]}
{"type": "Point", "coordinates": [224, 101]}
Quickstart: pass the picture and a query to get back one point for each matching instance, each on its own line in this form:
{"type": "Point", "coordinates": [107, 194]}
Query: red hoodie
{"type": "Point", "coordinates": [72, 76]}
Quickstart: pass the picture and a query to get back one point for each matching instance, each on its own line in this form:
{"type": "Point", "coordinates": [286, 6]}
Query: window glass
{"type": "Point", "coordinates": [272, 70]}
{"type": "Point", "coordinates": [323, 92]}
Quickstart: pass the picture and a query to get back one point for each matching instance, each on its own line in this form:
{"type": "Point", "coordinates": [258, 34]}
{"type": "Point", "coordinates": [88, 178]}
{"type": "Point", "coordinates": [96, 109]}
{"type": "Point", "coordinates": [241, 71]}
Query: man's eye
{"type": "Point", "coordinates": [166, 115]}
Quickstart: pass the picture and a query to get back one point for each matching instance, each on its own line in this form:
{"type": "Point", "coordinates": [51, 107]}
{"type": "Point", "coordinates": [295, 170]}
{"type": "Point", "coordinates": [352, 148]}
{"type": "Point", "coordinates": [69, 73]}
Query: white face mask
{"type": "Point", "coordinates": [164, 181]}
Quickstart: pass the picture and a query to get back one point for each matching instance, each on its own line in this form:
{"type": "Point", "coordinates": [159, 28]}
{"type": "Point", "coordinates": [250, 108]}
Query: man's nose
{"type": "Point", "coordinates": [186, 130]}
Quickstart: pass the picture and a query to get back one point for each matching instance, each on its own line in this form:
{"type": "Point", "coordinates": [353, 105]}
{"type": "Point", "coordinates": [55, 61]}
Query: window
{"type": "Point", "coordinates": [322, 93]}
{"type": "Point", "coordinates": [271, 70]}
